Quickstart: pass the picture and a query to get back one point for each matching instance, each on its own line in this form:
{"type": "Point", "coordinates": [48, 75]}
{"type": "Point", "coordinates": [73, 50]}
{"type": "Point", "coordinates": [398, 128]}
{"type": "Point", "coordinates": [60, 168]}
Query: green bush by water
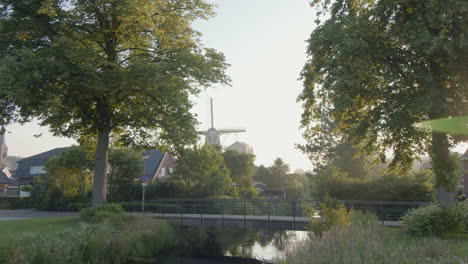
{"type": "Point", "coordinates": [437, 220]}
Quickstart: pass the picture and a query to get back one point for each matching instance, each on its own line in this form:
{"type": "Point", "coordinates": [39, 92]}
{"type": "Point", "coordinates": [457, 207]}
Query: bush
{"type": "Point", "coordinates": [437, 220]}
{"type": "Point", "coordinates": [334, 216]}
{"type": "Point", "coordinates": [108, 212]}
{"type": "Point", "coordinates": [15, 202]}
{"type": "Point", "coordinates": [388, 187]}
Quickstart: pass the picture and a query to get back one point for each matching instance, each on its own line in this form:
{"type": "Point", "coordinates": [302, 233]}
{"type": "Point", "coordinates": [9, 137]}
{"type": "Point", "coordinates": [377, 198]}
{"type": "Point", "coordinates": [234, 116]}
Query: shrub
{"type": "Point", "coordinates": [108, 212]}
{"type": "Point", "coordinates": [334, 216]}
{"type": "Point", "coordinates": [15, 202]}
{"type": "Point", "coordinates": [437, 220]}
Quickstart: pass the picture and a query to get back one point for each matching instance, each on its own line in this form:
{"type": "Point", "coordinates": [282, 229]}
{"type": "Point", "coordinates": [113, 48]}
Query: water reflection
{"type": "Point", "coordinates": [244, 243]}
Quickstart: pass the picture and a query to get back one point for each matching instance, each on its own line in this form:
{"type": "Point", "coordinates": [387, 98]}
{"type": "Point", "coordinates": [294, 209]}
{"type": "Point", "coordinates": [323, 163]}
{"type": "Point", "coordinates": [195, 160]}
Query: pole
{"type": "Point", "coordinates": [143, 198]}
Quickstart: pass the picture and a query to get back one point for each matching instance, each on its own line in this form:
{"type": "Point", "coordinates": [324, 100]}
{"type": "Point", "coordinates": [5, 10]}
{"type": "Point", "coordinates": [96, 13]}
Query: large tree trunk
{"type": "Point", "coordinates": [100, 171]}
{"type": "Point", "coordinates": [443, 168]}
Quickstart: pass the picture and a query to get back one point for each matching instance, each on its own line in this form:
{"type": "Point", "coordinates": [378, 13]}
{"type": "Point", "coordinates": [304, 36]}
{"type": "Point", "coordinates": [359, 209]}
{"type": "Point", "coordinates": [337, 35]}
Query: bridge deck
{"type": "Point", "coordinates": [264, 220]}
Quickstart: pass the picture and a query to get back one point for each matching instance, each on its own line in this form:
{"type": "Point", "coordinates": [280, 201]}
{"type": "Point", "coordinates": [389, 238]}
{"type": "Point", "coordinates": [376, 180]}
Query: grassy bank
{"type": "Point", "coordinates": [100, 236]}
{"type": "Point", "coordinates": [371, 243]}
{"type": "Point", "coordinates": [12, 230]}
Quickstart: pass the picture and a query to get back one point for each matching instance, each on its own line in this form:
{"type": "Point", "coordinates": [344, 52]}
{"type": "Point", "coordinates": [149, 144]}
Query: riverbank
{"type": "Point", "coordinates": [374, 244]}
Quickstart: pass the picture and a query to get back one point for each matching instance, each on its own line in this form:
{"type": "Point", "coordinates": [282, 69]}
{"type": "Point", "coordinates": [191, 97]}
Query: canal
{"type": "Point", "coordinates": [231, 246]}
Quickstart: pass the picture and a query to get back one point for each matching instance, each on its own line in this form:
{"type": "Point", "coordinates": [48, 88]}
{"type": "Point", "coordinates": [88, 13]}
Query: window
{"type": "Point", "coordinates": [163, 172]}
{"type": "Point", "coordinates": [36, 170]}
{"type": "Point", "coordinates": [171, 170]}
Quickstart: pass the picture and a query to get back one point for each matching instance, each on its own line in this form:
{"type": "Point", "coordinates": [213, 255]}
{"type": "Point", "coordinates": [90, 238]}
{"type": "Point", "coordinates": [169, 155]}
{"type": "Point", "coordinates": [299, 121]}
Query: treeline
{"type": "Point", "coordinates": [201, 172]}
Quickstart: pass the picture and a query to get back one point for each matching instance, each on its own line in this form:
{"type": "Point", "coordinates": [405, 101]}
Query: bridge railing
{"type": "Point", "coordinates": [385, 210]}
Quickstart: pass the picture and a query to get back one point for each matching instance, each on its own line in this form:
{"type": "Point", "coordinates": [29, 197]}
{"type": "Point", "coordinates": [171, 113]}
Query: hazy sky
{"type": "Point", "coordinates": [264, 41]}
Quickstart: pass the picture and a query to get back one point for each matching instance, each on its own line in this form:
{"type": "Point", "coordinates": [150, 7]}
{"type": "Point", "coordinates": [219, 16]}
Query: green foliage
{"type": "Point", "coordinates": [376, 68]}
{"type": "Point", "coordinates": [242, 169]}
{"type": "Point", "coordinates": [68, 181]}
{"type": "Point", "coordinates": [388, 187]}
{"type": "Point", "coordinates": [96, 243]}
{"type": "Point", "coordinates": [109, 212]}
{"type": "Point", "coordinates": [15, 202]}
{"type": "Point", "coordinates": [437, 220]}
{"type": "Point", "coordinates": [89, 69]}
{"type": "Point", "coordinates": [364, 241]}
{"type": "Point", "coordinates": [333, 216]}
{"type": "Point", "coordinates": [201, 172]}
{"type": "Point", "coordinates": [125, 167]}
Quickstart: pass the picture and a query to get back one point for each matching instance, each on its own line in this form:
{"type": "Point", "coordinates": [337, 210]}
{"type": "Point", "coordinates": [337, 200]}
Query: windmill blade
{"type": "Point", "coordinates": [202, 132]}
{"type": "Point", "coordinates": [231, 130]}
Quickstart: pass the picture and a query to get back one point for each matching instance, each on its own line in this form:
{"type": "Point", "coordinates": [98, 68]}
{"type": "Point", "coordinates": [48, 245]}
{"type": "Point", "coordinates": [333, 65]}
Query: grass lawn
{"type": "Point", "coordinates": [13, 229]}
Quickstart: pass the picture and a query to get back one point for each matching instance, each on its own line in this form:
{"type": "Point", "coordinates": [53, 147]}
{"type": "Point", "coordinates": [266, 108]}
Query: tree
{"type": "Point", "coordinates": [68, 180]}
{"type": "Point", "coordinates": [263, 175]}
{"type": "Point", "coordinates": [242, 170]}
{"type": "Point", "coordinates": [202, 173]}
{"type": "Point", "coordinates": [279, 171]}
{"type": "Point", "coordinates": [125, 167]}
{"type": "Point", "coordinates": [102, 68]}
{"type": "Point", "coordinates": [379, 67]}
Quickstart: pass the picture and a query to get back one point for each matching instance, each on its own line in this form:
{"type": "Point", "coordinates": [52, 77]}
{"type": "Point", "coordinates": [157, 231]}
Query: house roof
{"type": "Point", "coordinates": [153, 162]}
{"type": "Point", "coordinates": [36, 160]}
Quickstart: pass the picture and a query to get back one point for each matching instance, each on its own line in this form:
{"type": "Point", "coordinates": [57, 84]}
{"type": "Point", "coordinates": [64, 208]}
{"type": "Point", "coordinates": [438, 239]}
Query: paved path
{"type": "Point", "coordinates": [31, 213]}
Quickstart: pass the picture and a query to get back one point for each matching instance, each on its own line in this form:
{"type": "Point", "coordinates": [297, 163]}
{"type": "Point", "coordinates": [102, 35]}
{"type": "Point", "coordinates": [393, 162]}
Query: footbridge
{"type": "Point", "coordinates": [258, 213]}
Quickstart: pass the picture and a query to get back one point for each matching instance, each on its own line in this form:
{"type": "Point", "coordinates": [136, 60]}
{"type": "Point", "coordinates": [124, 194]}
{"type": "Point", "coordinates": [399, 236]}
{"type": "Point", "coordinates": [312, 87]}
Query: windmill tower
{"type": "Point", "coordinates": [212, 135]}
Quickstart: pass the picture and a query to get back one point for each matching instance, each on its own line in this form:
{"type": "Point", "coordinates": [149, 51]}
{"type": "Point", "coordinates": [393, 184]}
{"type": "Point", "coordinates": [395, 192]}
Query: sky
{"type": "Point", "coordinates": [264, 42]}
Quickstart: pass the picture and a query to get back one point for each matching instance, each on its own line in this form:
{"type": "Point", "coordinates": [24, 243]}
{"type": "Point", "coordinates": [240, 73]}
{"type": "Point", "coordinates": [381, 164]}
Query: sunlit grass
{"type": "Point", "coordinates": [376, 244]}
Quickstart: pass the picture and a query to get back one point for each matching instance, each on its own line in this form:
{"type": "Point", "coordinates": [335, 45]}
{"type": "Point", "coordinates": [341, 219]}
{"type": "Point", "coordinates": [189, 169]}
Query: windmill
{"type": "Point", "coordinates": [212, 135]}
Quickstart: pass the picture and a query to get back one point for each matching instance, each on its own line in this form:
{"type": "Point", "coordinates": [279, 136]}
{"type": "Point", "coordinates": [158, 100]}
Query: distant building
{"type": "Point", "coordinates": [3, 150]}
{"type": "Point", "coordinates": [158, 165]}
{"type": "Point", "coordinates": [33, 166]}
{"type": "Point", "coordinates": [241, 147]}
{"type": "Point", "coordinates": [8, 184]}
{"type": "Point", "coordinates": [464, 180]}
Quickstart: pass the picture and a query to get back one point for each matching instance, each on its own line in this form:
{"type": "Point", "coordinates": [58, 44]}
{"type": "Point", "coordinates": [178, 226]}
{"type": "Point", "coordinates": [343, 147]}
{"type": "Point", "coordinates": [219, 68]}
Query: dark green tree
{"type": "Point", "coordinates": [379, 67]}
{"type": "Point", "coordinates": [263, 175]}
{"type": "Point", "coordinates": [242, 170]}
{"type": "Point", "coordinates": [125, 167]}
{"type": "Point", "coordinates": [106, 68]}
{"type": "Point", "coordinates": [279, 171]}
{"type": "Point", "coordinates": [201, 172]}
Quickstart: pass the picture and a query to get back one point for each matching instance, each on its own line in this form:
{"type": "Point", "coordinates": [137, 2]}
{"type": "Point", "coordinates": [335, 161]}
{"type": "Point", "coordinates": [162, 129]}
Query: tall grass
{"type": "Point", "coordinates": [104, 242]}
{"type": "Point", "coordinates": [364, 241]}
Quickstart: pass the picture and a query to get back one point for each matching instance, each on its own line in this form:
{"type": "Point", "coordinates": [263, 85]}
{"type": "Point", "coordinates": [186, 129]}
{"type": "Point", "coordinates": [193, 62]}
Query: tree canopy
{"type": "Point", "coordinates": [378, 67]}
{"type": "Point", "coordinates": [102, 68]}
{"type": "Point", "coordinates": [242, 170]}
{"type": "Point", "coordinates": [201, 172]}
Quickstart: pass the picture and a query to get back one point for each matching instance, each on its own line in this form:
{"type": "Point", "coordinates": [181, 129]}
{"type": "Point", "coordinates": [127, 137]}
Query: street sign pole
{"type": "Point", "coordinates": [143, 185]}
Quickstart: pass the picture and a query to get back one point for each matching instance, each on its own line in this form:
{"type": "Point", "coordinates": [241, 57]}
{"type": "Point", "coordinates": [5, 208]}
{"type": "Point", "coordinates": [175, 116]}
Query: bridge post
{"type": "Point", "coordinates": [245, 215]}
{"type": "Point", "coordinates": [222, 213]}
{"type": "Point", "coordinates": [253, 205]}
{"type": "Point", "coordinates": [294, 214]}
{"type": "Point", "coordinates": [268, 213]}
